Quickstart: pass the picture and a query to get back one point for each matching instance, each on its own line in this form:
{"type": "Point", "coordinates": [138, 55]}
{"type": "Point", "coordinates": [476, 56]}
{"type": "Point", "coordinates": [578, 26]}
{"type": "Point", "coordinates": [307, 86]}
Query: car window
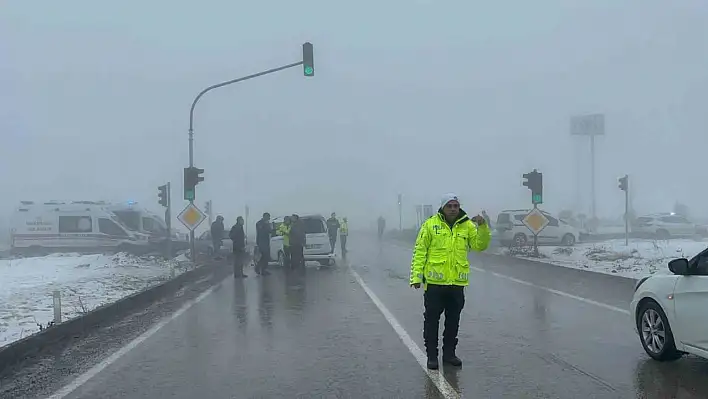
{"type": "Point", "coordinates": [152, 226]}
{"type": "Point", "coordinates": [503, 218]}
{"type": "Point", "coordinates": [551, 220]}
{"type": "Point", "coordinates": [519, 217]}
{"type": "Point", "coordinates": [674, 219]}
{"type": "Point", "coordinates": [75, 224]}
{"type": "Point", "coordinates": [130, 219]}
{"type": "Point", "coordinates": [644, 220]}
{"type": "Point", "coordinates": [701, 265]}
{"type": "Point", "coordinates": [107, 226]}
{"type": "Point", "coordinates": [314, 225]}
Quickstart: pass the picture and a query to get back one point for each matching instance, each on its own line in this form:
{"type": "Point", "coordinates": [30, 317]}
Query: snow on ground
{"type": "Point", "coordinates": [639, 259]}
{"type": "Point", "coordinates": [85, 282]}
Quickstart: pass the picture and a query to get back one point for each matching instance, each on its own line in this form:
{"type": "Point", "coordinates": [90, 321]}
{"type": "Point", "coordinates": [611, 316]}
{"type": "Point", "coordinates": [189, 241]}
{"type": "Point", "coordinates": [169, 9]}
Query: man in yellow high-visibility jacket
{"type": "Point", "coordinates": [343, 233]}
{"type": "Point", "coordinates": [284, 231]}
{"type": "Point", "coordinates": [440, 264]}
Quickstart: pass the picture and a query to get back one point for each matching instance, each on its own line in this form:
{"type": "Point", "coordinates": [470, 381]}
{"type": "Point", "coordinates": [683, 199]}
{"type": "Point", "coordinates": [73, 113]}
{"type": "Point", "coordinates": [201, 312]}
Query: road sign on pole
{"type": "Point", "coordinates": [535, 221]}
{"type": "Point", "coordinates": [191, 217]}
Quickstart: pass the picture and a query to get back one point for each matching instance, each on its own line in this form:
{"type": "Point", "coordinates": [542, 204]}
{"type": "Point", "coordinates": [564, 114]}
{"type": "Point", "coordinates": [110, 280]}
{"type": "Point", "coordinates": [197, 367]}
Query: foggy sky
{"type": "Point", "coordinates": [414, 97]}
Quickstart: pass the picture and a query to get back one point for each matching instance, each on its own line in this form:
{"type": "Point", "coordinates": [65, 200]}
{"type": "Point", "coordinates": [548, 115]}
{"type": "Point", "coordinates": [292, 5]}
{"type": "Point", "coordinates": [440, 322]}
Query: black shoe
{"type": "Point", "coordinates": [433, 363]}
{"type": "Point", "coordinates": [452, 360]}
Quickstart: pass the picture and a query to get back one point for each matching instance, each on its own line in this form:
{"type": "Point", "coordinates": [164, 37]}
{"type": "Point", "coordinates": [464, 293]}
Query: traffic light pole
{"type": "Point", "coordinates": [191, 125]}
{"type": "Point", "coordinates": [168, 221]}
{"type": "Point", "coordinates": [626, 216]}
{"type": "Point", "coordinates": [535, 238]}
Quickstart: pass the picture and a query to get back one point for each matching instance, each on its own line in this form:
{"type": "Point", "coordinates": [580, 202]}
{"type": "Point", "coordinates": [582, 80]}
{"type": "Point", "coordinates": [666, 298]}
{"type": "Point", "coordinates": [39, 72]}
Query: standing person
{"type": "Point", "coordinates": [382, 226]}
{"type": "Point", "coordinates": [343, 233]}
{"type": "Point", "coordinates": [264, 230]}
{"type": "Point", "coordinates": [444, 272]}
{"type": "Point", "coordinates": [284, 231]}
{"type": "Point", "coordinates": [238, 238]}
{"type": "Point", "coordinates": [217, 234]}
{"type": "Point", "coordinates": [298, 240]}
{"type": "Point", "coordinates": [487, 219]}
{"type": "Point", "coordinates": [332, 227]}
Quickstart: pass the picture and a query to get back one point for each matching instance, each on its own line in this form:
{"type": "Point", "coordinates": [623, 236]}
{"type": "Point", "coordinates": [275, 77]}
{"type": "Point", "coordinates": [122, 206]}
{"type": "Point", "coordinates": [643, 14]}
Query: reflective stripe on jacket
{"type": "Point", "coordinates": [343, 229]}
{"type": "Point", "coordinates": [440, 252]}
{"type": "Point", "coordinates": [284, 230]}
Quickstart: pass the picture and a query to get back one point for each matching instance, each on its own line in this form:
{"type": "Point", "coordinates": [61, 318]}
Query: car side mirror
{"type": "Point", "coordinates": [679, 266]}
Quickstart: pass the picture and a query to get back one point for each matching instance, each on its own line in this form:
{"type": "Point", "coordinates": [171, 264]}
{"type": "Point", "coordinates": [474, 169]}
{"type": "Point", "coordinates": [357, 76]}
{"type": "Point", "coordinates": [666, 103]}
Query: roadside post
{"type": "Point", "coordinates": [624, 186]}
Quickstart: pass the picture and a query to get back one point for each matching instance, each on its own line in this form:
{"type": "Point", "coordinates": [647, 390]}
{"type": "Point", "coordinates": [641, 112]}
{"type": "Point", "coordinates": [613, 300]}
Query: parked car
{"type": "Point", "coordinates": [666, 225]}
{"type": "Point", "coordinates": [510, 230]}
{"type": "Point", "coordinates": [317, 249]}
{"type": "Point", "coordinates": [204, 244]}
{"type": "Point", "coordinates": [669, 310]}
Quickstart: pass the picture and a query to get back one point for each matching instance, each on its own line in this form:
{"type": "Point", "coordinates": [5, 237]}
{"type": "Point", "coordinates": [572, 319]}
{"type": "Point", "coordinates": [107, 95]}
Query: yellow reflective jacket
{"type": "Point", "coordinates": [440, 253]}
{"type": "Point", "coordinates": [343, 228]}
{"type": "Point", "coordinates": [284, 230]}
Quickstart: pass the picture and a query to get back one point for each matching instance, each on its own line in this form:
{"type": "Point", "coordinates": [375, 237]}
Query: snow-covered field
{"type": "Point", "coordinates": [639, 259]}
{"type": "Point", "coordinates": [85, 282]}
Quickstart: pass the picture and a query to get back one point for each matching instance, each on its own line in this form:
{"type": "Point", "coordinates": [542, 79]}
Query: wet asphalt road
{"type": "Point", "coordinates": [316, 334]}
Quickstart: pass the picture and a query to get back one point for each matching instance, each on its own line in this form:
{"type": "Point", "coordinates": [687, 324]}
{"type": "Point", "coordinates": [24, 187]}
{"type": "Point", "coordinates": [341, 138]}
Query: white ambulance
{"type": "Point", "coordinates": [82, 226]}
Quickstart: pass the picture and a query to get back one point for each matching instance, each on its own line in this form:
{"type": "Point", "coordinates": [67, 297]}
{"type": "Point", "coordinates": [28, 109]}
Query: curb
{"type": "Point", "coordinates": [30, 346]}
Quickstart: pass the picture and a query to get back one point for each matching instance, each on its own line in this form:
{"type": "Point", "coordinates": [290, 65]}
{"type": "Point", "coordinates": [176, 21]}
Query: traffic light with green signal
{"type": "Point", "coordinates": [308, 59]}
{"type": "Point", "coordinates": [191, 179]}
{"type": "Point", "coordinates": [162, 195]}
{"type": "Point", "coordinates": [534, 182]}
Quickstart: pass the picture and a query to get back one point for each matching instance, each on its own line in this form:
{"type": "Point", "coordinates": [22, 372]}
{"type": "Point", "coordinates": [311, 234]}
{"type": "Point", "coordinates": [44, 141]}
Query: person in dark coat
{"type": "Point", "coordinates": [333, 228]}
{"type": "Point", "coordinates": [217, 233]}
{"type": "Point", "coordinates": [264, 231]}
{"type": "Point", "coordinates": [298, 240]}
{"type": "Point", "coordinates": [238, 238]}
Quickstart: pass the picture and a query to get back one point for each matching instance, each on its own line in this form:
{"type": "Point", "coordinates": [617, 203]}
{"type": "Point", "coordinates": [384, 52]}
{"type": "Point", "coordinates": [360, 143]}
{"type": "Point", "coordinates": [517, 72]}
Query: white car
{"type": "Point", "coordinates": [510, 230]}
{"type": "Point", "coordinates": [669, 311]}
{"type": "Point", "coordinates": [665, 225]}
{"type": "Point", "coordinates": [317, 246]}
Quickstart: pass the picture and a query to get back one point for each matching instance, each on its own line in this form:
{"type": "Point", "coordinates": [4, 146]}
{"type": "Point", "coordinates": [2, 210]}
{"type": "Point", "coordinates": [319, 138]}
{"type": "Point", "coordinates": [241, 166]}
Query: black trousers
{"type": "Point", "coordinates": [438, 299]}
{"type": "Point", "coordinates": [297, 256]}
{"type": "Point", "coordinates": [332, 241]}
{"type": "Point", "coordinates": [262, 264]}
{"type": "Point", "coordinates": [239, 260]}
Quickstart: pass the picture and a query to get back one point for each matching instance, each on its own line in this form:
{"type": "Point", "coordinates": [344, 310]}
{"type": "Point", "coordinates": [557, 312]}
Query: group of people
{"type": "Point", "coordinates": [336, 228]}
{"type": "Point", "coordinates": [294, 241]}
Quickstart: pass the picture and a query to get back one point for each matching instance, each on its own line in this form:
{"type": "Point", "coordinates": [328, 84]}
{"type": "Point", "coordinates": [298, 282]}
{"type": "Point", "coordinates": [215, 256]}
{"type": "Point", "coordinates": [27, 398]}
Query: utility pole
{"type": "Point", "coordinates": [624, 186]}
{"type": "Point", "coordinates": [248, 211]}
{"type": "Point", "coordinates": [308, 64]}
{"type": "Point", "coordinates": [168, 220]}
{"type": "Point", "coordinates": [400, 212]}
{"type": "Point", "coordinates": [209, 211]}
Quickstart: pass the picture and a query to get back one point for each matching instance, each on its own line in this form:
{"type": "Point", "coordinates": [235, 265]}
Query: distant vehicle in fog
{"type": "Point", "coordinates": [663, 226]}
{"type": "Point", "coordinates": [77, 226]}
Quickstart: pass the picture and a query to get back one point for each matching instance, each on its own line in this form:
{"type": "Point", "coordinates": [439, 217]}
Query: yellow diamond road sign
{"type": "Point", "coordinates": [191, 217]}
{"type": "Point", "coordinates": [535, 221]}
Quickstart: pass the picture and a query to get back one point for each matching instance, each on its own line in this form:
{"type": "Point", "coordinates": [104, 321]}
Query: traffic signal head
{"type": "Point", "coordinates": [308, 59]}
{"type": "Point", "coordinates": [623, 183]}
{"type": "Point", "coordinates": [191, 179]}
{"type": "Point", "coordinates": [534, 181]}
{"type": "Point", "coordinates": [162, 195]}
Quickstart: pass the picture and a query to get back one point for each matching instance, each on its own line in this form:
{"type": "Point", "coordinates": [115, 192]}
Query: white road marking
{"type": "Point", "coordinates": [98, 368]}
{"type": "Point", "coordinates": [551, 290]}
{"type": "Point", "coordinates": [445, 388]}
